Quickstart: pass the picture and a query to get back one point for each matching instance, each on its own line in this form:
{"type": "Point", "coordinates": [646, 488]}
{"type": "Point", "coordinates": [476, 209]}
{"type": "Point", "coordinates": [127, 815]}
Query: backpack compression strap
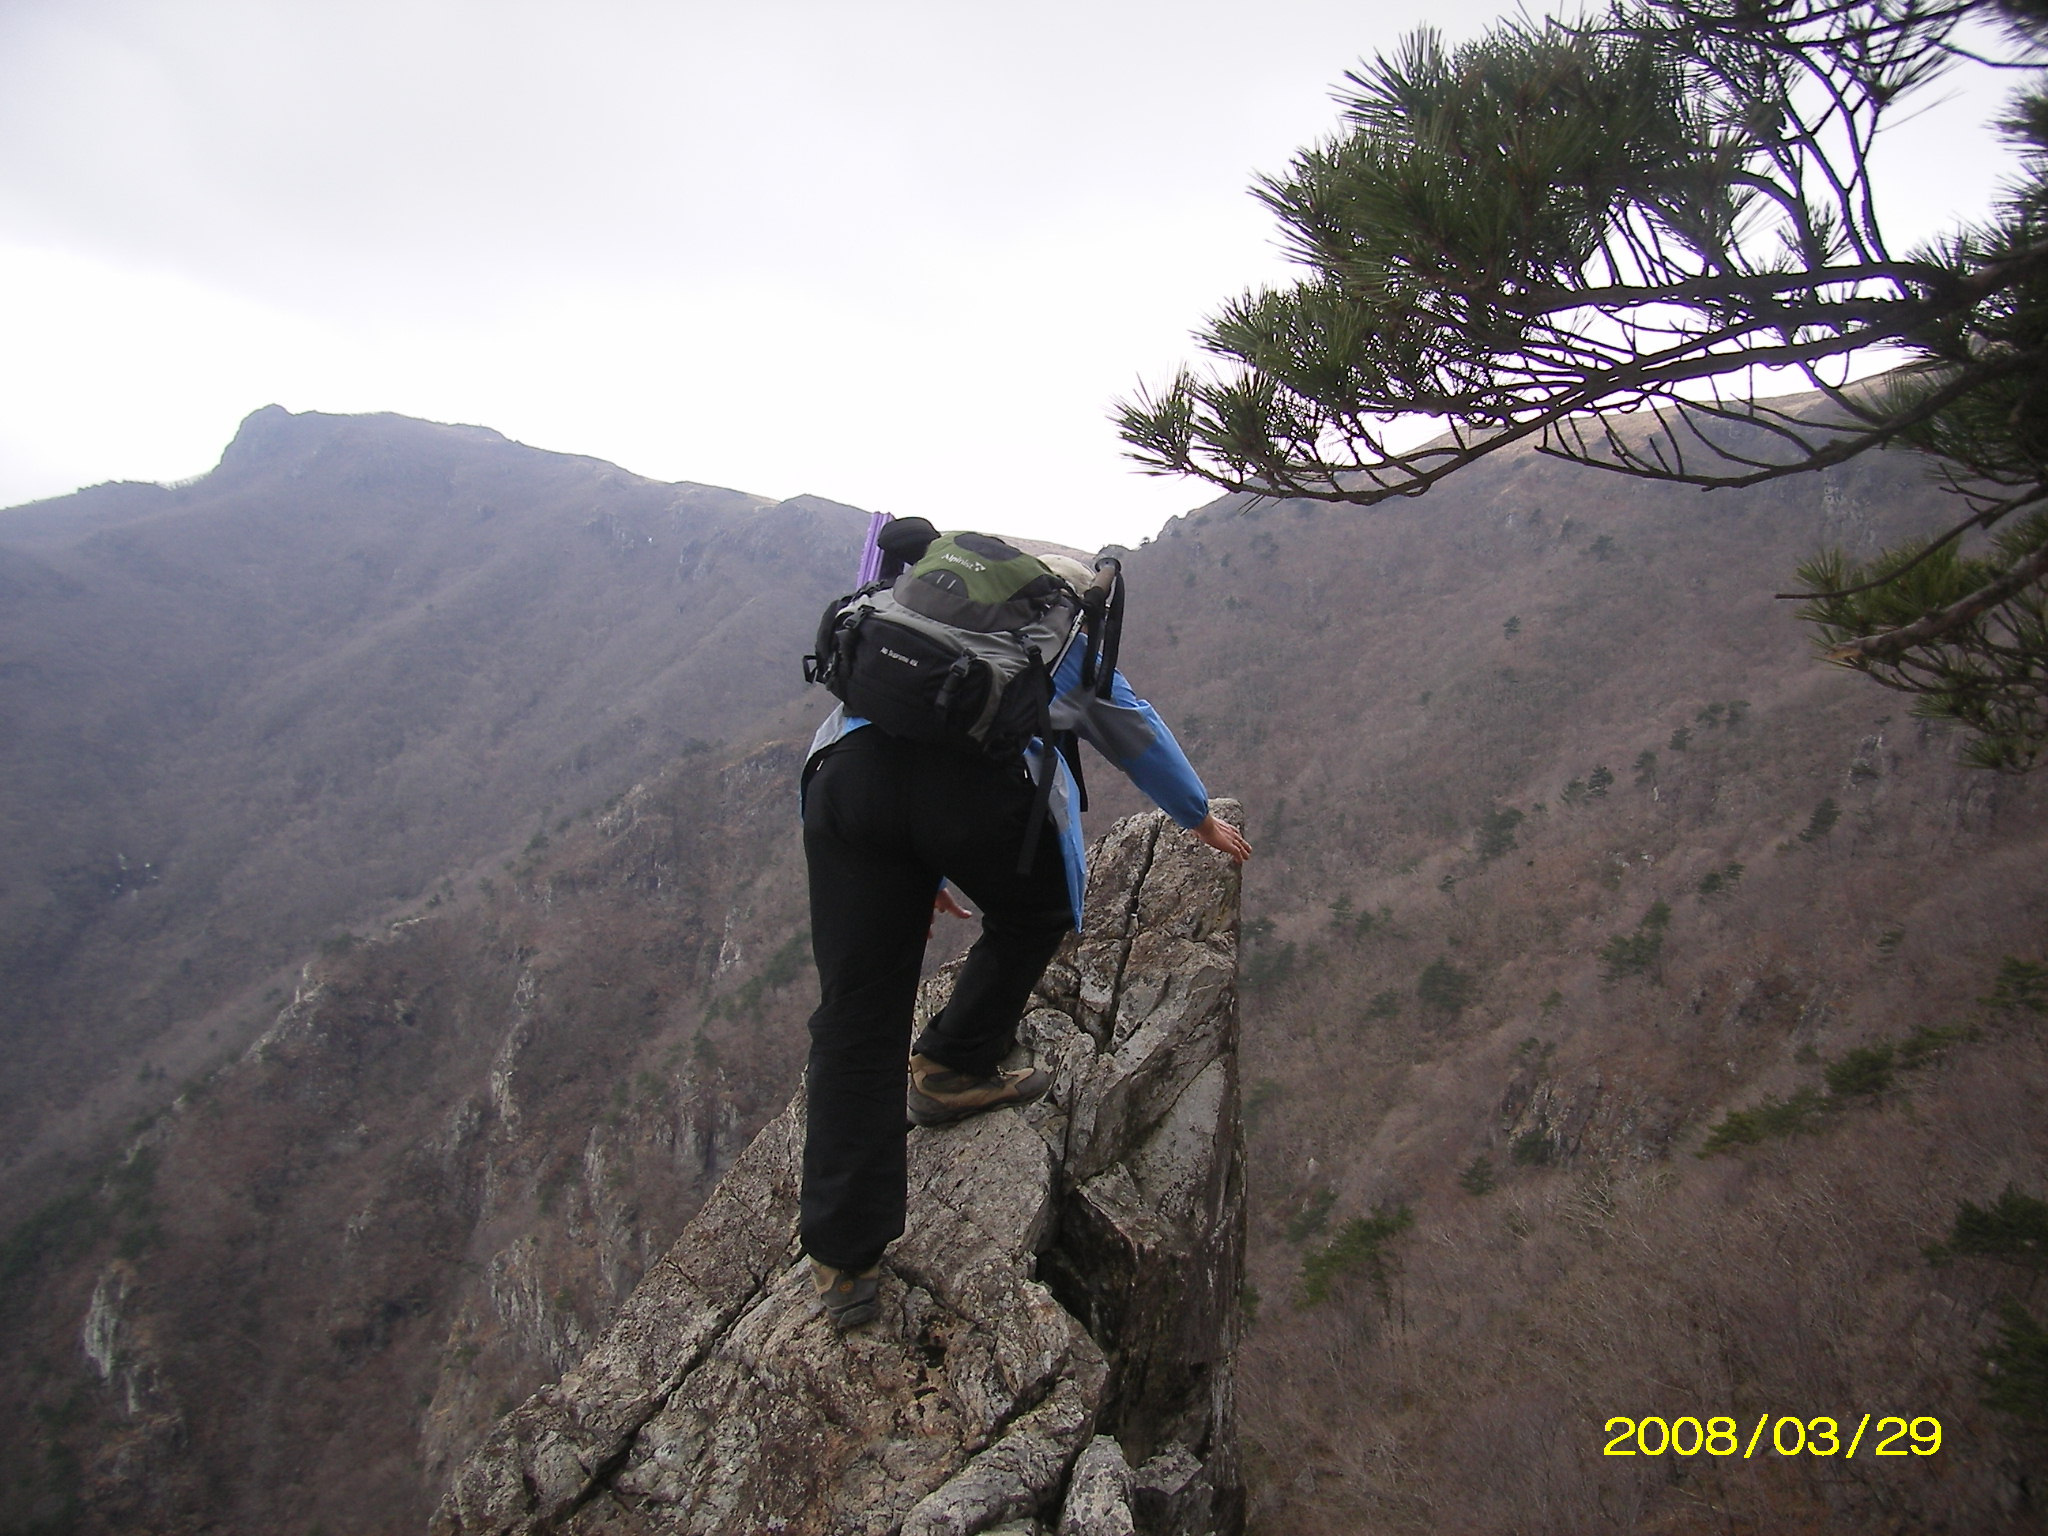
{"type": "Point", "coordinates": [1070, 748]}
{"type": "Point", "coordinates": [1041, 793]}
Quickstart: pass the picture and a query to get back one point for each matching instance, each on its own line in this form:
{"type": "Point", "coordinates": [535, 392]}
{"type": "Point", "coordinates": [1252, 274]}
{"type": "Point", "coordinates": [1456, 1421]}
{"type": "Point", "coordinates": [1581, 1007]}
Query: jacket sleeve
{"type": "Point", "coordinates": [1128, 731]}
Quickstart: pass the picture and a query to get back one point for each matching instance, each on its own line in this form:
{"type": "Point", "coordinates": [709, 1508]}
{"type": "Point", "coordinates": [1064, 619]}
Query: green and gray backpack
{"type": "Point", "coordinates": [959, 651]}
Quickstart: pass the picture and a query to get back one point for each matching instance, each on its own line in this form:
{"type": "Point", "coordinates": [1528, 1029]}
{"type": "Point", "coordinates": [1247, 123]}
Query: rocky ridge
{"type": "Point", "coordinates": [1059, 1323]}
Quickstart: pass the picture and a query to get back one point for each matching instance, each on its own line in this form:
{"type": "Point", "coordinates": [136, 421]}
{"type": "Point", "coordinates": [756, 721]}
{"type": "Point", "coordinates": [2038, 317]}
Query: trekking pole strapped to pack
{"type": "Point", "coordinates": [871, 550]}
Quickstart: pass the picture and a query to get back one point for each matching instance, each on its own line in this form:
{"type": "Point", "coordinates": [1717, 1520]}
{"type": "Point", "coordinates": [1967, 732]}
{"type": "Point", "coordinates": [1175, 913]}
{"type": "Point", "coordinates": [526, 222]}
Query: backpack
{"type": "Point", "coordinates": [959, 651]}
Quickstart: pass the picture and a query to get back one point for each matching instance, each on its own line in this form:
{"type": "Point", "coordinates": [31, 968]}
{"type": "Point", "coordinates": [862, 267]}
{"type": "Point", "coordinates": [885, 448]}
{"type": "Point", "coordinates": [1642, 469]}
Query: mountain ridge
{"type": "Point", "coordinates": [369, 613]}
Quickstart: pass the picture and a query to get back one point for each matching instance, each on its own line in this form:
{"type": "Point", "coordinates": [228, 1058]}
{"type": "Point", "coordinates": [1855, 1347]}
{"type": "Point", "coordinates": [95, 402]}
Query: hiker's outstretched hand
{"type": "Point", "coordinates": [1223, 837]}
{"type": "Point", "coordinates": [944, 902]}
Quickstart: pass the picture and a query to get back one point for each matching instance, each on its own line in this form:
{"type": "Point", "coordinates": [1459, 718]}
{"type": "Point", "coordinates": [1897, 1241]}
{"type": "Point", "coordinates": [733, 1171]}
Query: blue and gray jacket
{"type": "Point", "coordinates": [1123, 728]}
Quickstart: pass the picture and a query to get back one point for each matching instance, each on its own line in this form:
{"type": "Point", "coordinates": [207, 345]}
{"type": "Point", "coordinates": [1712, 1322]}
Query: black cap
{"type": "Point", "coordinates": [907, 538]}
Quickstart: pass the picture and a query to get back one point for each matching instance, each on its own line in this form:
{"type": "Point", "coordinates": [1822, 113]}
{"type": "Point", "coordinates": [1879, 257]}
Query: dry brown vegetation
{"type": "Point", "coordinates": [1368, 681]}
{"type": "Point", "coordinates": [425, 1189]}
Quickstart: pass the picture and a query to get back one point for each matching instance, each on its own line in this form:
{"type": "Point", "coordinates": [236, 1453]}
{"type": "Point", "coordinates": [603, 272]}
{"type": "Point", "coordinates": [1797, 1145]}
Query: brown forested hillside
{"type": "Point", "coordinates": [313, 1280]}
{"type": "Point", "coordinates": [359, 658]}
{"type": "Point", "coordinates": [1567, 851]}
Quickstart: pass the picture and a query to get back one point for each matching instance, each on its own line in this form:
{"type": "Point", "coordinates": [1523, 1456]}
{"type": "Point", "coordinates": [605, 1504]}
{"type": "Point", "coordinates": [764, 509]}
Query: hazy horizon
{"type": "Point", "coordinates": [906, 256]}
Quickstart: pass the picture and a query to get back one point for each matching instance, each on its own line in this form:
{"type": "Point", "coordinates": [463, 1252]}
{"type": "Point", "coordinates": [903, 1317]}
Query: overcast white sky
{"type": "Point", "coordinates": [903, 253]}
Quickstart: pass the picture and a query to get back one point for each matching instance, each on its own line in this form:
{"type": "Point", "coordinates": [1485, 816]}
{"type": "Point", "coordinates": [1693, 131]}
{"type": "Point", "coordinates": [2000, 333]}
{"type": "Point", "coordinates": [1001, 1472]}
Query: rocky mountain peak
{"type": "Point", "coordinates": [273, 434]}
{"type": "Point", "coordinates": [1059, 1325]}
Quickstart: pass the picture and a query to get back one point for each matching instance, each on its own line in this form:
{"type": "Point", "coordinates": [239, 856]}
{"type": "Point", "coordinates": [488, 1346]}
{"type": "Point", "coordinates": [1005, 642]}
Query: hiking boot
{"type": "Point", "coordinates": [939, 1095]}
{"type": "Point", "coordinates": [846, 1296]}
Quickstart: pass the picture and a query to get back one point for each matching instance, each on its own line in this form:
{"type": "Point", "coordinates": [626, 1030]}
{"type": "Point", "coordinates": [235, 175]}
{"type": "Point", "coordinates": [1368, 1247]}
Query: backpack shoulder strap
{"type": "Point", "coordinates": [1103, 607]}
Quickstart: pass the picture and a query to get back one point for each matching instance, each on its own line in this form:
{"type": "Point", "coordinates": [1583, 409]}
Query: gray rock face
{"type": "Point", "coordinates": [1058, 1327]}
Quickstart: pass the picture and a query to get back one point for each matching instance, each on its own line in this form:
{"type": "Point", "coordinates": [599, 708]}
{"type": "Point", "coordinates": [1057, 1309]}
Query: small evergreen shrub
{"type": "Point", "coordinates": [1383, 1005]}
{"type": "Point", "coordinates": [1497, 832]}
{"type": "Point", "coordinates": [2016, 1366]}
{"type": "Point", "coordinates": [1822, 822]}
{"type": "Point", "coordinates": [1796, 1116]}
{"type": "Point", "coordinates": [1927, 1042]}
{"type": "Point", "coordinates": [1359, 1246]}
{"type": "Point", "coordinates": [1267, 967]}
{"type": "Point", "coordinates": [1367, 920]}
{"type": "Point", "coordinates": [1865, 1072]}
{"type": "Point", "coordinates": [1313, 1216]}
{"type": "Point", "coordinates": [1262, 1093]}
{"type": "Point", "coordinates": [2019, 984]}
{"type": "Point", "coordinates": [1446, 988]}
{"type": "Point", "coordinates": [777, 971]}
{"type": "Point", "coordinates": [1631, 954]}
{"type": "Point", "coordinates": [1477, 1176]}
{"type": "Point", "coordinates": [2011, 1230]}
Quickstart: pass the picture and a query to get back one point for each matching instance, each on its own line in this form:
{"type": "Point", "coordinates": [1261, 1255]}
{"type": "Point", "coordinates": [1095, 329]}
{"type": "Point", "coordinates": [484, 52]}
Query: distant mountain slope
{"type": "Point", "coordinates": [358, 657]}
{"type": "Point", "coordinates": [1568, 850]}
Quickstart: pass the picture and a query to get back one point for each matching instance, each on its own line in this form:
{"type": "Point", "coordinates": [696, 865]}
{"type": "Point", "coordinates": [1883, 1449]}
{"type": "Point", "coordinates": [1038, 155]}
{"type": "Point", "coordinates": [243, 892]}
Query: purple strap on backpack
{"type": "Point", "coordinates": [871, 552]}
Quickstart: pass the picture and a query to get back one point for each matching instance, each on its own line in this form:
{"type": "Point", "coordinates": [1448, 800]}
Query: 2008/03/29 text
{"type": "Point", "coordinates": [1890, 1435]}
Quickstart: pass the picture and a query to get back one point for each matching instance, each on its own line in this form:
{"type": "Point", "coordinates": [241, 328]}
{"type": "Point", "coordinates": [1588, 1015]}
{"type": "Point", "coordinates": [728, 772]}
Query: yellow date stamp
{"type": "Point", "coordinates": [1773, 1435]}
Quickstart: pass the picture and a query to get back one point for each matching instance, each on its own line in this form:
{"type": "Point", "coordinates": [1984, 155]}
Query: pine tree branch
{"type": "Point", "coordinates": [1891, 644]}
{"type": "Point", "coordinates": [1975, 520]}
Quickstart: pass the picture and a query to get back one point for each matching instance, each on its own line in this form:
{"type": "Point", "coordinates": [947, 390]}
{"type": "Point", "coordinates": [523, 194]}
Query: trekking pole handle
{"type": "Point", "coordinates": [871, 549]}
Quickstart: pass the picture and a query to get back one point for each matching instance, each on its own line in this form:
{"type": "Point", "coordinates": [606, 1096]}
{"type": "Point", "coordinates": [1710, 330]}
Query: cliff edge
{"type": "Point", "coordinates": [1056, 1346]}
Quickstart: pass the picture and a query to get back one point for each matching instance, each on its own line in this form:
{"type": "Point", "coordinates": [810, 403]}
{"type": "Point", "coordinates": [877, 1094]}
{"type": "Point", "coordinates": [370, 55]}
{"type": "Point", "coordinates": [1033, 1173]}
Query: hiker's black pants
{"type": "Point", "coordinates": [884, 821]}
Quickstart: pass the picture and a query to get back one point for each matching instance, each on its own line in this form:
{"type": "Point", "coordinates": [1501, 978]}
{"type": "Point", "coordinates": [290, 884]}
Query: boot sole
{"type": "Point", "coordinates": [927, 1111]}
{"type": "Point", "coordinates": [854, 1316]}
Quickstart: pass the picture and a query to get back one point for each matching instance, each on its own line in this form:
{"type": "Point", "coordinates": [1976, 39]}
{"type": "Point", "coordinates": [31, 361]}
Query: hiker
{"type": "Point", "coordinates": [891, 826]}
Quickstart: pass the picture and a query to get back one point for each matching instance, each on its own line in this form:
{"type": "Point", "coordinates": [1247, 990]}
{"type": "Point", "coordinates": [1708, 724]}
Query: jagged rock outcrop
{"type": "Point", "coordinates": [1055, 1350]}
